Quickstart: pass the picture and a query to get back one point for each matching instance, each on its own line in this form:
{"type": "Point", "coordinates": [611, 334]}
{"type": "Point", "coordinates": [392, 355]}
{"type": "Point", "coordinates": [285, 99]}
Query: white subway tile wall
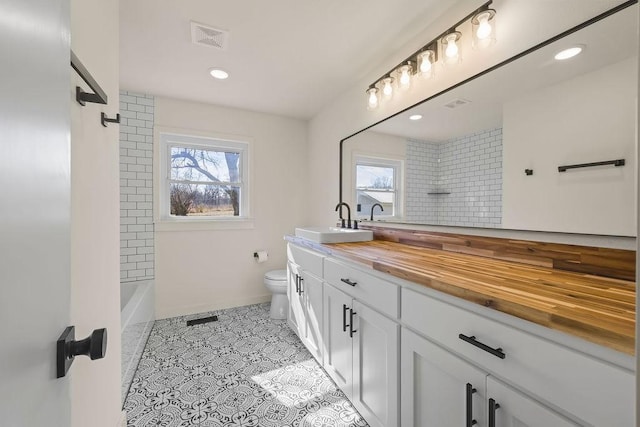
{"type": "Point", "coordinates": [469, 168]}
{"type": "Point", "coordinates": [136, 187]}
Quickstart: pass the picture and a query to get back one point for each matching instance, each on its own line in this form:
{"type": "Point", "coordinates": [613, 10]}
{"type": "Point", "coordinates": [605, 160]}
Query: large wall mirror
{"type": "Point", "coordinates": [487, 153]}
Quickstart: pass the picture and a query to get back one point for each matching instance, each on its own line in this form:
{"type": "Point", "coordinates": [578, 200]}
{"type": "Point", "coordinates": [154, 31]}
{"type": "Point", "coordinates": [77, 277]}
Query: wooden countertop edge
{"type": "Point", "coordinates": [607, 328]}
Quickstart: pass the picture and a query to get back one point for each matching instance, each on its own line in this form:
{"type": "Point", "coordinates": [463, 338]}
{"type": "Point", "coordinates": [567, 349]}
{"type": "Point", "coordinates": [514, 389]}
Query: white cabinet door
{"type": "Point", "coordinates": [337, 354]}
{"type": "Point", "coordinates": [509, 408]}
{"type": "Point", "coordinates": [438, 388]}
{"type": "Point", "coordinates": [375, 366]}
{"type": "Point", "coordinates": [295, 317]}
{"type": "Point", "coordinates": [311, 292]}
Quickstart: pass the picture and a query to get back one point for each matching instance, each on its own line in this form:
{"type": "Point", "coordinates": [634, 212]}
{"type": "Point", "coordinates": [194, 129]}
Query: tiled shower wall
{"type": "Point", "coordinates": [136, 187]}
{"type": "Point", "coordinates": [469, 168]}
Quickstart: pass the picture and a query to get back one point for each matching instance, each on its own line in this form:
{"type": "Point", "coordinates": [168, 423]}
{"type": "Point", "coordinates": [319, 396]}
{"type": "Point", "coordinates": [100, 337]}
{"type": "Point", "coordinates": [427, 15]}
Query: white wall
{"type": "Point", "coordinates": [207, 269]}
{"type": "Point", "coordinates": [95, 284]}
{"type": "Point", "coordinates": [586, 119]}
{"type": "Point", "coordinates": [348, 114]}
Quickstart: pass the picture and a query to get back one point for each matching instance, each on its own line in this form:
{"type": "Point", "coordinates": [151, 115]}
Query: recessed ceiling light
{"type": "Point", "coordinates": [218, 73]}
{"type": "Point", "coordinates": [415, 117]}
{"type": "Point", "coordinates": [569, 53]}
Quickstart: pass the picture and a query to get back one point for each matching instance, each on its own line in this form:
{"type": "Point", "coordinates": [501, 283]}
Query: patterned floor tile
{"type": "Point", "coordinates": [245, 370]}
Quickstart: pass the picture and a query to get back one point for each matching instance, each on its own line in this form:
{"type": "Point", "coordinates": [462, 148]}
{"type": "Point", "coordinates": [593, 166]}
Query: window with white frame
{"type": "Point", "coordinates": [378, 180]}
{"type": "Point", "coordinates": [203, 178]}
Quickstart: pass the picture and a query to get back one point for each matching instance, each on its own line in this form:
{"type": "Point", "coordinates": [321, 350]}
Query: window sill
{"type": "Point", "coordinates": [203, 224]}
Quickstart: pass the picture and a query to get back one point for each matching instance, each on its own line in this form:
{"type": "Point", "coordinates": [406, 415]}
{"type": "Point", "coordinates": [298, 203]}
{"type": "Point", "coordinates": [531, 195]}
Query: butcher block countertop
{"type": "Point", "coordinates": [595, 308]}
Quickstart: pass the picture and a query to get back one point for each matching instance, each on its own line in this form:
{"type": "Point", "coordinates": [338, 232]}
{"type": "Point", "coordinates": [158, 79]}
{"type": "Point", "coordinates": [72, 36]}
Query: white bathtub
{"type": "Point", "coordinates": [137, 305]}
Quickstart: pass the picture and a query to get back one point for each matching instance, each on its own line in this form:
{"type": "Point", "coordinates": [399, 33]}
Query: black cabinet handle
{"type": "Point", "coordinates": [348, 282]}
{"type": "Point", "coordinates": [351, 330]}
{"type": "Point", "coordinates": [67, 348]}
{"type": "Point", "coordinates": [344, 317]}
{"type": "Point", "coordinates": [297, 284]}
{"type": "Point", "coordinates": [301, 291]}
{"type": "Point", "coordinates": [470, 420]}
{"type": "Point", "coordinates": [492, 412]}
{"type": "Point", "coordinates": [473, 341]}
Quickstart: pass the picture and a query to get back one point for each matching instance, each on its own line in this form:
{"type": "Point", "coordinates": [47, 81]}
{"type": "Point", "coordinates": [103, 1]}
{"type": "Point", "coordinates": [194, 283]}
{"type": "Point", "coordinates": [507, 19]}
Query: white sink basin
{"type": "Point", "coordinates": [334, 234]}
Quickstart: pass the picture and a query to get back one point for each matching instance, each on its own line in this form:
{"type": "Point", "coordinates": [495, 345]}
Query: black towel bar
{"type": "Point", "coordinates": [619, 162]}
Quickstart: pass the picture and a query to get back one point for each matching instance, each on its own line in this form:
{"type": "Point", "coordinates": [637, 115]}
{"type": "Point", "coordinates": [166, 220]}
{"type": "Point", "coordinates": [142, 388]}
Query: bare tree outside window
{"type": "Point", "coordinates": [204, 182]}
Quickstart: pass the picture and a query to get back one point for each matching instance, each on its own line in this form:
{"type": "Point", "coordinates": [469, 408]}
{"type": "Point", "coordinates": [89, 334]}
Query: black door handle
{"type": "Point", "coordinates": [67, 348]}
{"type": "Point", "coordinates": [473, 341]}
{"type": "Point", "coordinates": [492, 412]}
{"type": "Point", "coordinates": [470, 420]}
{"type": "Point", "coordinates": [344, 317]}
{"type": "Point", "coordinates": [351, 330]}
{"type": "Point", "coordinates": [348, 282]}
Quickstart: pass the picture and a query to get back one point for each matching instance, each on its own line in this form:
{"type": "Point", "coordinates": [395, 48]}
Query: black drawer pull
{"type": "Point", "coordinates": [344, 317]}
{"type": "Point", "coordinates": [348, 282]}
{"type": "Point", "coordinates": [470, 420]}
{"type": "Point", "coordinates": [472, 340]}
{"type": "Point", "coordinates": [351, 330]}
{"type": "Point", "coordinates": [301, 291]}
{"type": "Point", "coordinates": [492, 412]}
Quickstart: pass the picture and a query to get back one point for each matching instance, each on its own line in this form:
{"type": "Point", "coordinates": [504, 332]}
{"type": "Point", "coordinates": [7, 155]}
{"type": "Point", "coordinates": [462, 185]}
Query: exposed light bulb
{"type": "Point", "coordinates": [404, 76]}
{"type": "Point", "coordinates": [387, 87]}
{"type": "Point", "coordinates": [372, 103]}
{"type": "Point", "coordinates": [484, 28]}
{"type": "Point", "coordinates": [452, 47]}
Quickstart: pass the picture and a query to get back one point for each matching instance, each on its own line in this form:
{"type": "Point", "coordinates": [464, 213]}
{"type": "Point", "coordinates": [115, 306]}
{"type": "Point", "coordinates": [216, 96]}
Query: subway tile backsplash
{"type": "Point", "coordinates": [136, 187]}
{"type": "Point", "coordinates": [469, 168]}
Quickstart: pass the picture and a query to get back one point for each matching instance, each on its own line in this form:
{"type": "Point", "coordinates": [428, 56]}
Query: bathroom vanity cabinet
{"type": "Point", "coordinates": [304, 290]}
{"type": "Point", "coordinates": [410, 356]}
{"type": "Point", "coordinates": [361, 340]}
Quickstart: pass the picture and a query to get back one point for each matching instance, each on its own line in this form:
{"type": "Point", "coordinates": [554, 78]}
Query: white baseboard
{"type": "Point", "coordinates": [211, 306]}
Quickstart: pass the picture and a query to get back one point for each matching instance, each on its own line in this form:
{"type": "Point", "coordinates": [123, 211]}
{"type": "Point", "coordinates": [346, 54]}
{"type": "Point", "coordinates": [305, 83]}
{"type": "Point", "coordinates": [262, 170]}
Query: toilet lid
{"type": "Point", "coordinates": [276, 275]}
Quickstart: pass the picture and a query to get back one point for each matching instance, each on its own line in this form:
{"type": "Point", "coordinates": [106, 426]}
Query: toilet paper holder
{"type": "Point", "coordinates": [261, 256]}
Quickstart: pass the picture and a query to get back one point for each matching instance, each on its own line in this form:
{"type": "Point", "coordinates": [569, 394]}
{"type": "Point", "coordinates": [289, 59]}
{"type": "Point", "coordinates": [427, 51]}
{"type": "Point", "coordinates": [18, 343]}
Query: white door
{"type": "Point", "coordinates": [509, 408]}
{"type": "Point", "coordinates": [438, 388]}
{"type": "Point", "coordinates": [375, 366]}
{"type": "Point", "coordinates": [311, 288]}
{"type": "Point", "coordinates": [337, 354]}
{"type": "Point", "coordinates": [34, 210]}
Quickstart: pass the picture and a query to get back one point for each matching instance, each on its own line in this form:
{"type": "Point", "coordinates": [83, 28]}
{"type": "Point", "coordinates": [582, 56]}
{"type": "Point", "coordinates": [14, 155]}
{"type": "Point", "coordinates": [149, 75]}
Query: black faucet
{"type": "Point", "coordinates": [381, 210]}
{"type": "Point", "coordinates": [348, 214]}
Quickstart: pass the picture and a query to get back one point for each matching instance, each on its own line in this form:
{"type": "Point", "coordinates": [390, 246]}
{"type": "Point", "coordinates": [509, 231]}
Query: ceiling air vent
{"type": "Point", "coordinates": [457, 103]}
{"type": "Point", "coordinates": [205, 35]}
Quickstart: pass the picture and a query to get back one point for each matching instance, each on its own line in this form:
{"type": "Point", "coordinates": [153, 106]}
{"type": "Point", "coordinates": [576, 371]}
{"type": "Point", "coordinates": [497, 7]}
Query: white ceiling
{"type": "Point", "coordinates": [287, 57]}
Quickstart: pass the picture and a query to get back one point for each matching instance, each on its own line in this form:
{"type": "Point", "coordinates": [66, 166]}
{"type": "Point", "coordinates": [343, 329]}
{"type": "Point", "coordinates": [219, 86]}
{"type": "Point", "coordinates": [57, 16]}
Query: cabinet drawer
{"type": "Point", "coordinates": [308, 260]}
{"type": "Point", "coordinates": [367, 288]}
{"type": "Point", "coordinates": [596, 392]}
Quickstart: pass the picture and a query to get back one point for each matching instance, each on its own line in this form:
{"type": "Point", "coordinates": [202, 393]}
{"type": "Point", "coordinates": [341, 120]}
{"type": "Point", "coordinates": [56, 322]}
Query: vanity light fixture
{"type": "Point", "coordinates": [372, 98]}
{"type": "Point", "coordinates": [218, 73]}
{"type": "Point", "coordinates": [569, 53]}
{"type": "Point", "coordinates": [445, 48]}
{"type": "Point", "coordinates": [415, 117]}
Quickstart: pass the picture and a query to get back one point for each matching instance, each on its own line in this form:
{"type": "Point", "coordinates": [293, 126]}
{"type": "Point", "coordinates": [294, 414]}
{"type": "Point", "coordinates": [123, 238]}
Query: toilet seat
{"type": "Point", "coordinates": [276, 275]}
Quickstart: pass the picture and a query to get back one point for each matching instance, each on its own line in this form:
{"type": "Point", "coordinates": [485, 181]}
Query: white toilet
{"type": "Point", "coordinates": [276, 282]}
